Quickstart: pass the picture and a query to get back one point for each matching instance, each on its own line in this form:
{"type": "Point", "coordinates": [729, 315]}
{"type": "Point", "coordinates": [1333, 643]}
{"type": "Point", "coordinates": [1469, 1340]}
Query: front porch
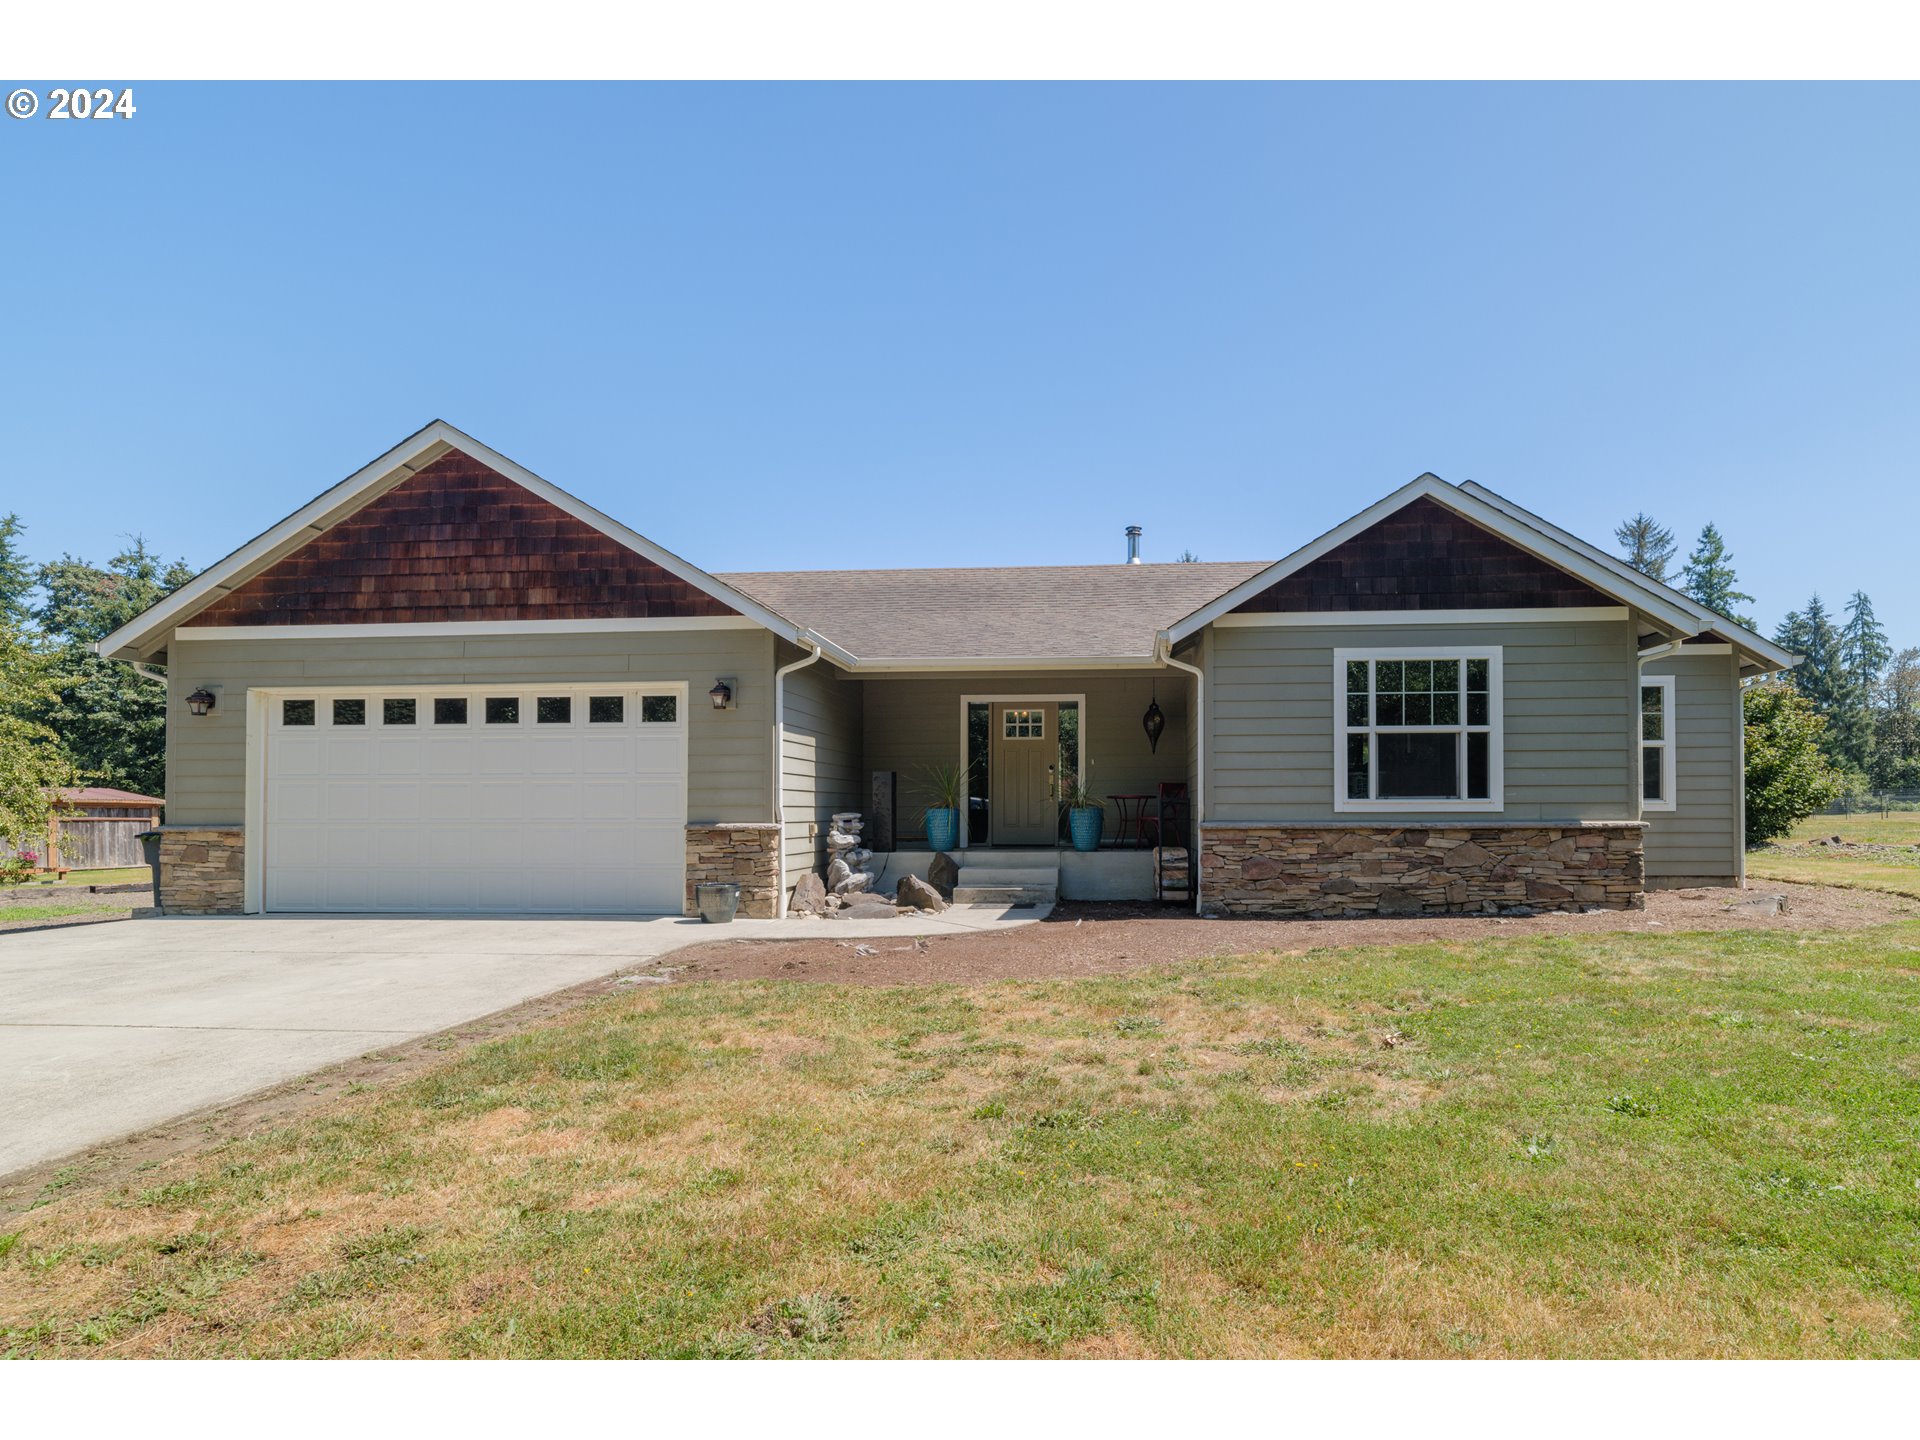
{"type": "Point", "coordinates": [870, 743]}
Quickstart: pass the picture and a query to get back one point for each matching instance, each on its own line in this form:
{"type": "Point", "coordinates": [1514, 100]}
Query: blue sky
{"type": "Point", "coordinates": [810, 327]}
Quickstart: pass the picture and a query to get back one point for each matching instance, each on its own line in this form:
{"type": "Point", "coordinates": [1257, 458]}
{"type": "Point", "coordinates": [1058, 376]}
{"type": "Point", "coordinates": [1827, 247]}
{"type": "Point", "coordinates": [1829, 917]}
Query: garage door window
{"type": "Point", "coordinates": [296, 712]}
{"type": "Point", "coordinates": [450, 710]}
{"type": "Point", "coordinates": [553, 710]}
{"type": "Point", "coordinates": [503, 710]}
{"type": "Point", "coordinates": [659, 709]}
{"type": "Point", "coordinates": [349, 712]}
{"type": "Point", "coordinates": [396, 712]}
{"type": "Point", "coordinates": [606, 709]}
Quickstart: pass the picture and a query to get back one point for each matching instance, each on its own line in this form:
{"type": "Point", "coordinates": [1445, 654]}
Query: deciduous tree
{"type": "Point", "coordinates": [1788, 774]}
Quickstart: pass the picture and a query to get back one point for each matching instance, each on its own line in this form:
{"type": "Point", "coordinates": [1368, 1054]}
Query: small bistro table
{"type": "Point", "coordinates": [1131, 833]}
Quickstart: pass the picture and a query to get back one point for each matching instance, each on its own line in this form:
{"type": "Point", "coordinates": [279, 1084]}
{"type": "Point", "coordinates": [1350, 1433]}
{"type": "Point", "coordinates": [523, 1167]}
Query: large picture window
{"type": "Point", "coordinates": [1656, 743]}
{"type": "Point", "coordinates": [1417, 729]}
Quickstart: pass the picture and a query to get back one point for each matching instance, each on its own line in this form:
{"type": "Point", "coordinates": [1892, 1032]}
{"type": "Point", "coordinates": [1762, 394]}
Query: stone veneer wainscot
{"type": "Point", "coordinates": [1398, 869]}
{"type": "Point", "coordinates": [202, 869]}
{"type": "Point", "coordinates": [747, 855]}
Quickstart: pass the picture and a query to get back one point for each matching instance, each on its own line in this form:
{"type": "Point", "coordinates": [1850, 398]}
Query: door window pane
{"type": "Point", "coordinates": [503, 710]}
{"type": "Point", "coordinates": [553, 710]}
{"type": "Point", "coordinates": [349, 712]}
{"type": "Point", "coordinates": [397, 712]}
{"type": "Point", "coordinates": [450, 710]}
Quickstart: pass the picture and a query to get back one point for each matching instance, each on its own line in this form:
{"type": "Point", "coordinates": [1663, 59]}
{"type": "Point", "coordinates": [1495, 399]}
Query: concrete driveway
{"type": "Point", "coordinates": [108, 1029]}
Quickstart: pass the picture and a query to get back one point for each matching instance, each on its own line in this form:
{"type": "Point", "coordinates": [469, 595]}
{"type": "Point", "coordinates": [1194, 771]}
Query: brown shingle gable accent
{"type": "Point", "coordinates": [459, 541]}
{"type": "Point", "coordinates": [1425, 557]}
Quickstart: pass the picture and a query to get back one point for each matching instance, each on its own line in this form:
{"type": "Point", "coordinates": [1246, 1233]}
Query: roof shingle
{"type": "Point", "coordinates": [1027, 612]}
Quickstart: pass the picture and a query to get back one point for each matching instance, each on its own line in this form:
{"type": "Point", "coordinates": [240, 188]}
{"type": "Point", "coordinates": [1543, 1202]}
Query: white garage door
{"type": "Point", "coordinates": [515, 800]}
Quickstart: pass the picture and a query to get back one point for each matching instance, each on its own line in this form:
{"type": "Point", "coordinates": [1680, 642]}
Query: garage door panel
{"type": "Point", "coordinates": [566, 817]}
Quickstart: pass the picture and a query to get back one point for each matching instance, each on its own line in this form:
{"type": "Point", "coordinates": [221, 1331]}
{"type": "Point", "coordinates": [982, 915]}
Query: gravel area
{"type": "Point", "coordinates": [1100, 939]}
{"type": "Point", "coordinates": [114, 906]}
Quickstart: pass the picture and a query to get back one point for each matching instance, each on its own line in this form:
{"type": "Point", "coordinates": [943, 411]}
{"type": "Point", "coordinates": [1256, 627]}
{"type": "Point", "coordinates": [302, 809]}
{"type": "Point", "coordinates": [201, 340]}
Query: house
{"type": "Point", "coordinates": [445, 684]}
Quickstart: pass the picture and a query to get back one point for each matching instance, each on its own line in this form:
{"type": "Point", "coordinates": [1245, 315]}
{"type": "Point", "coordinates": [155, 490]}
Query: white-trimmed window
{"type": "Point", "coordinates": [1656, 743]}
{"type": "Point", "coordinates": [1417, 728]}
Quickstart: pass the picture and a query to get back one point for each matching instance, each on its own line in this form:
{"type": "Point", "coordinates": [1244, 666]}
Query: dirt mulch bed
{"type": "Point", "coordinates": [1102, 939]}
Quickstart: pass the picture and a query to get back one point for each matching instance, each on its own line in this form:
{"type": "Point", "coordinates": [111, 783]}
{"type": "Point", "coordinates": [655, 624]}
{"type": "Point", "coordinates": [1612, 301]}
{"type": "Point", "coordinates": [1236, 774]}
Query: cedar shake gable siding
{"type": "Point", "coordinates": [459, 541]}
{"type": "Point", "coordinates": [1425, 557]}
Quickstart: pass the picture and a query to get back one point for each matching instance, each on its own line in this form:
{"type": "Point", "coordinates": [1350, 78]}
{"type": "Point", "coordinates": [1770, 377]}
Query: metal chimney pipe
{"type": "Point", "coordinates": [1133, 544]}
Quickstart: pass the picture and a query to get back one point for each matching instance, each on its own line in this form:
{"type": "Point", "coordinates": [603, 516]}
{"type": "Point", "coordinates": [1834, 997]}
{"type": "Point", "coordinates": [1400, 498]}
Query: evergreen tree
{"type": "Point", "coordinates": [1823, 675]}
{"type": "Point", "coordinates": [16, 573]}
{"type": "Point", "coordinates": [1646, 545]}
{"type": "Point", "coordinates": [1709, 578]}
{"type": "Point", "coordinates": [111, 720]}
{"type": "Point", "coordinates": [1863, 642]}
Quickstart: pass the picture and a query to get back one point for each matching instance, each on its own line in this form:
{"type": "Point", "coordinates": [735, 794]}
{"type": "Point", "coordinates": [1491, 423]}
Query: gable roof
{"type": "Point", "coordinates": [1672, 612]}
{"type": "Point", "coordinates": [908, 619]}
{"type": "Point", "coordinates": [1768, 655]}
{"type": "Point", "coordinates": [136, 639]}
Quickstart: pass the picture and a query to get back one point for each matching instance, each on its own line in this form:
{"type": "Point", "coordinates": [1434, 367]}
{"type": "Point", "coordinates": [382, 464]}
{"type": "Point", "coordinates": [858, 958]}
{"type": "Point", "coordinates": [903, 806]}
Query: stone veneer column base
{"type": "Point", "coordinates": [202, 869]}
{"type": "Point", "coordinates": [747, 855]}
{"type": "Point", "coordinates": [1343, 870]}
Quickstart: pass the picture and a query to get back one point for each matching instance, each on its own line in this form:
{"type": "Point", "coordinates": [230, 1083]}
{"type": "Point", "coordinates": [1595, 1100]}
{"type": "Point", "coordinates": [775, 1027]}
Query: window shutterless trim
{"type": "Point", "coordinates": [1495, 731]}
{"type": "Point", "coordinates": [1667, 744]}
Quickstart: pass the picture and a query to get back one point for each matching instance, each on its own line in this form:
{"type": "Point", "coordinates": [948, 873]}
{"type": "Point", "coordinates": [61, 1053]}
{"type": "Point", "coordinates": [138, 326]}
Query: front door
{"type": "Point", "coordinates": [1025, 745]}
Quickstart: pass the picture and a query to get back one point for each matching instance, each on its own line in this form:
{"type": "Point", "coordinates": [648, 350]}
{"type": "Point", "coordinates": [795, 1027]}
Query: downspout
{"type": "Point", "coordinates": [1165, 647]}
{"type": "Point", "coordinates": [779, 763]}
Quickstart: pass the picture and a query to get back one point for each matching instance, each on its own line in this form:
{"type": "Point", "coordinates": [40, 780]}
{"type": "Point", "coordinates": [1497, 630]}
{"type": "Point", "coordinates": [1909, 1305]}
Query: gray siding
{"type": "Point", "coordinates": [729, 752]}
{"type": "Point", "coordinates": [912, 722]}
{"type": "Point", "coordinates": [1568, 706]}
{"type": "Point", "coordinates": [1700, 840]}
{"type": "Point", "coordinates": [821, 770]}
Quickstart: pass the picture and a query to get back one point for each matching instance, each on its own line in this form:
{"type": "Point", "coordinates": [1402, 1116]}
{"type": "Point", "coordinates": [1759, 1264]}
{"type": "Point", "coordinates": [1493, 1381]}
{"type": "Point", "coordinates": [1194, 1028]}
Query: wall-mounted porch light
{"type": "Point", "coordinates": [721, 694]}
{"type": "Point", "coordinates": [200, 701]}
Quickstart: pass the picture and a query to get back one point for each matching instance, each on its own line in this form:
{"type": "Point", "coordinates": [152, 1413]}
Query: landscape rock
{"type": "Point", "coordinates": [943, 873]}
{"type": "Point", "coordinates": [838, 872]}
{"type": "Point", "coordinates": [856, 882]}
{"type": "Point", "coordinates": [918, 894]}
{"type": "Point", "coordinates": [809, 896]}
{"type": "Point", "coordinates": [866, 907]}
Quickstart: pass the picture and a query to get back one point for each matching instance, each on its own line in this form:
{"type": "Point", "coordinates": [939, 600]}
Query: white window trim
{"type": "Point", "coordinates": [1496, 730]}
{"type": "Point", "coordinates": [1015, 699]}
{"type": "Point", "coordinates": [1668, 744]}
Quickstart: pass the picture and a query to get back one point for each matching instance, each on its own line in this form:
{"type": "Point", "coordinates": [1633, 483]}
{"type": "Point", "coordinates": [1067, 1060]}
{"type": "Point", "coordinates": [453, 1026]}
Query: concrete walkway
{"type": "Point", "coordinates": [108, 1029]}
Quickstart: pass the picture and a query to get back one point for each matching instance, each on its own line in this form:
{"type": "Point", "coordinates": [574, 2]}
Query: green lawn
{"type": "Point", "coordinates": [1892, 863]}
{"type": "Point", "coordinates": [1898, 827]}
{"type": "Point", "coordinates": [1620, 1145]}
{"type": "Point", "coordinates": [127, 875]}
{"type": "Point", "coordinates": [10, 913]}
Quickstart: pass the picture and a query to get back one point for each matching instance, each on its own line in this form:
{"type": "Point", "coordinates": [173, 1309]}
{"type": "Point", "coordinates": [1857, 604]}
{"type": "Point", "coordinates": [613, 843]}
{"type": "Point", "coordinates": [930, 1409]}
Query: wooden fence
{"type": "Point", "coordinates": [91, 842]}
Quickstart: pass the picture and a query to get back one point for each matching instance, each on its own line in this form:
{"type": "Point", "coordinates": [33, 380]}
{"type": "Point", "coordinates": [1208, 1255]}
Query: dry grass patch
{"type": "Point", "coordinates": [1674, 1145]}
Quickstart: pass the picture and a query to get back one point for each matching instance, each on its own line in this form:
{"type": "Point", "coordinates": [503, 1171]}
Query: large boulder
{"type": "Point", "coordinates": [918, 894]}
{"type": "Point", "coordinates": [943, 873]}
{"type": "Point", "coordinates": [837, 872]}
{"type": "Point", "coordinates": [809, 896]}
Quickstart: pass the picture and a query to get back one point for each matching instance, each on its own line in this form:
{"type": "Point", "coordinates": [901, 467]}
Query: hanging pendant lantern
{"type": "Point", "coordinates": [1153, 722]}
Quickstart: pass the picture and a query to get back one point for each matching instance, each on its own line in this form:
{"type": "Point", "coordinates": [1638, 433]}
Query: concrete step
{"type": "Point", "coordinates": [1003, 874]}
{"type": "Point", "coordinates": [1005, 894]}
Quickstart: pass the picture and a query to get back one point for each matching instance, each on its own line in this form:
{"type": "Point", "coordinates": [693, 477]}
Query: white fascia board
{"type": "Point", "coordinates": [1339, 618]}
{"type": "Point", "coordinates": [410, 455]}
{"type": "Point", "coordinates": [1469, 507]}
{"type": "Point", "coordinates": [455, 628]}
{"type": "Point", "coordinates": [1756, 645]}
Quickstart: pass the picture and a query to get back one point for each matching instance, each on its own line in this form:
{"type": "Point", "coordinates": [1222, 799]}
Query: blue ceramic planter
{"type": "Point", "coordinates": [1084, 823]}
{"type": "Point", "coordinates": [943, 829]}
